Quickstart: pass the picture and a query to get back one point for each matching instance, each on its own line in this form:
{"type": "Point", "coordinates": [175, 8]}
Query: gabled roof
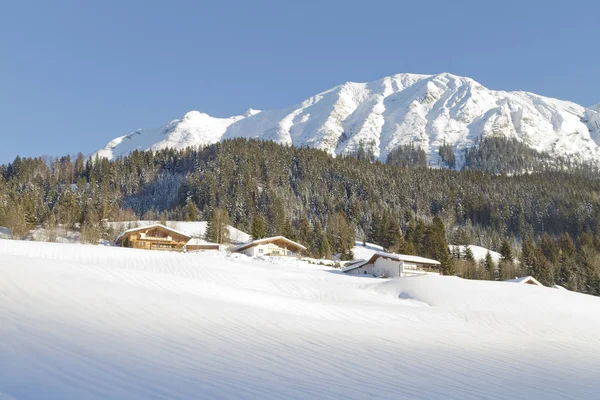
{"type": "Point", "coordinates": [355, 265]}
{"type": "Point", "coordinates": [141, 228]}
{"type": "Point", "coordinates": [267, 240]}
{"type": "Point", "coordinates": [403, 257]}
{"type": "Point", "coordinates": [525, 280]}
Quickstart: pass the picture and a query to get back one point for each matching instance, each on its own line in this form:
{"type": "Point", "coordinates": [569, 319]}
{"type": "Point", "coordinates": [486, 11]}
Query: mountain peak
{"type": "Point", "coordinates": [250, 112]}
{"type": "Point", "coordinates": [402, 109]}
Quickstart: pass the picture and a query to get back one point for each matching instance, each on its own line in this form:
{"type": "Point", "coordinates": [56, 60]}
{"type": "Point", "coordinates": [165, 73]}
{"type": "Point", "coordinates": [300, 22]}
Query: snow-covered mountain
{"type": "Point", "coordinates": [426, 110]}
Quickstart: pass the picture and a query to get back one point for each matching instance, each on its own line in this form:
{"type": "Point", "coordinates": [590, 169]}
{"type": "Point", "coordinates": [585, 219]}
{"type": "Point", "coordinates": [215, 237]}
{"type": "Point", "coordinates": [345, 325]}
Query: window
{"type": "Point", "coordinates": [260, 250]}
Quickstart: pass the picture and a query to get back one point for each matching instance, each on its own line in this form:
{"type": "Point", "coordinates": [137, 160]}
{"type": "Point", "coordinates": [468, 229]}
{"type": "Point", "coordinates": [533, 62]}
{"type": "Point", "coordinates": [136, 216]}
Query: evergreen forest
{"type": "Point", "coordinates": [542, 214]}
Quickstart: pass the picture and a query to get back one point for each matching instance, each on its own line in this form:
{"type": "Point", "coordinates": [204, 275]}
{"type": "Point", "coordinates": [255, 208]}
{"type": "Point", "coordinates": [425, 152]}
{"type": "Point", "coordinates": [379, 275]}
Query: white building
{"type": "Point", "coordinates": [525, 280]}
{"type": "Point", "coordinates": [273, 246]}
{"type": "Point", "coordinates": [388, 265]}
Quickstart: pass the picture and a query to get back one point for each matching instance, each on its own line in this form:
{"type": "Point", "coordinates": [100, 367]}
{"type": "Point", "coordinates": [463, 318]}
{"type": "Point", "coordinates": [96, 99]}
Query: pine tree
{"type": "Point", "coordinates": [324, 247]}
{"type": "Point", "coordinates": [543, 269]}
{"type": "Point", "coordinates": [506, 251]}
{"type": "Point", "coordinates": [528, 256]}
{"type": "Point", "coordinates": [489, 265]}
{"type": "Point", "coordinates": [436, 245]}
{"type": "Point", "coordinates": [469, 254]}
{"type": "Point", "coordinates": [304, 232]}
{"type": "Point", "coordinates": [191, 211]}
{"type": "Point", "coordinates": [217, 230]}
{"type": "Point", "coordinates": [258, 230]}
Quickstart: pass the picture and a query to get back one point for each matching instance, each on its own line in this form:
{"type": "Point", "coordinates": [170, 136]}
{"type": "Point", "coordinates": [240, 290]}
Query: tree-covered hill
{"type": "Point", "coordinates": [323, 201]}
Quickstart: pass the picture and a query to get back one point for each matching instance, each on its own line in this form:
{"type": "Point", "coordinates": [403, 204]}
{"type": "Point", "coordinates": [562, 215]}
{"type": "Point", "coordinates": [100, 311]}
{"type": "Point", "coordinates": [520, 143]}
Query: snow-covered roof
{"type": "Point", "coordinates": [525, 280]}
{"type": "Point", "coordinates": [200, 242]}
{"type": "Point", "coordinates": [403, 257]}
{"type": "Point", "coordinates": [267, 240]}
{"type": "Point", "coordinates": [354, 265]}
{"type": "Point", "coordinates": [140, 228]}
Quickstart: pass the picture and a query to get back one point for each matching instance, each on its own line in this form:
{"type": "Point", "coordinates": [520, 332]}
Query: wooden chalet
{"type": "Point", "coordinates": [154, 237]}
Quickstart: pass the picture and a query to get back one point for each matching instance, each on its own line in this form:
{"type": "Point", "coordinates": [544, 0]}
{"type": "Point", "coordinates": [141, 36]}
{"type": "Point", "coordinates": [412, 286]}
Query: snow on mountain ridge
{"type": "Point", "coordinates": [424, 110]}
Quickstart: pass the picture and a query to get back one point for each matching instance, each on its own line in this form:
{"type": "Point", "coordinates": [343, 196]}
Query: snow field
{"type": "Point", "coordinates": [81, 321]}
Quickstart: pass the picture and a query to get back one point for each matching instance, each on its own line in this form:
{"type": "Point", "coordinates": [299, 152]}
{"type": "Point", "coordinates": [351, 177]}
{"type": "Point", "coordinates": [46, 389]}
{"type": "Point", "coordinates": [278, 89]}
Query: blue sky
{"type": "Point", "coordinates": [76, 74]}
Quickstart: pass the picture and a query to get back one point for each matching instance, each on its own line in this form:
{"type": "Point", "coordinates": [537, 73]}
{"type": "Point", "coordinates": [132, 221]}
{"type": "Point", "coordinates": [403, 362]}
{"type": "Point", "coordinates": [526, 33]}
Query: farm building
{"type": "Point", "coordinates": [389, 265]}
{"type": "Point", "coordinates": [525, 280]}
{"type": "Point", "coordinates": [273, 246]}
{"type": "Point", "coordinates": [154, 237]}
{"type": "Point", "coordinates": [195, 244]}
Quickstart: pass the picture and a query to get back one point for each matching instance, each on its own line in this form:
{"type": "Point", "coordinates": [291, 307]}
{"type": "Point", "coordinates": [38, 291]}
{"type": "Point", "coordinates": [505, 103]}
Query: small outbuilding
{"type": "Point", "coordinates": [387, 265]}
{"type": "Point", "coordinates": [525, 280]}
{"type": "Point", "coordinates": [195, 244]}
{"type": "Point", "coordinates": [154, 237]}
{"type": "Point", "coordinates": [272, 246]}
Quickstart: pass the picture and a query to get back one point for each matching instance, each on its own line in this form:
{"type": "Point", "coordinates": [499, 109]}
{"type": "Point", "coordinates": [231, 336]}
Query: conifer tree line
{"type": "Point", "coordinates": [325, 203]}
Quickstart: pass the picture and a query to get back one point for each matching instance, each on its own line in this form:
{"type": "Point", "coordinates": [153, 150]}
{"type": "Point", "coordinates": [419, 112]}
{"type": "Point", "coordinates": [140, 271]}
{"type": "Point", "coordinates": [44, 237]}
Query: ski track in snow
{"type": "Point", "coordinates": [91, 322]}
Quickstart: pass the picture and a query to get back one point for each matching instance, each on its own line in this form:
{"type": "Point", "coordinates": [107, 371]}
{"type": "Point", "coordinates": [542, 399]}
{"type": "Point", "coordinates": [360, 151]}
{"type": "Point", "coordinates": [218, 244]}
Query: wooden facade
{"type": "Point", "coordinates": [199, 245]}
{"type": "Point", "coordinates": [154, 237]}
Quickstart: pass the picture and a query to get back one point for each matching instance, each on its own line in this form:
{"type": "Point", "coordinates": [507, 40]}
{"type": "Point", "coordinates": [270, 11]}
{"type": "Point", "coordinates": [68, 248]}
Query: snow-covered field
{"type": "Point", "coordinates": [93, 322]}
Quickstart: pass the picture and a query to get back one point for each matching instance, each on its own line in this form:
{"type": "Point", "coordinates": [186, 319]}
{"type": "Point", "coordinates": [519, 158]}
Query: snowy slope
{"type": "Point", "coordinates": [365, 252]}
{"type": "Point", "coordinates": [479, 252]}
{"type": "Point", "coordinates": [105, 323]}
{"type": "Point", "coordinates": [426, 110]}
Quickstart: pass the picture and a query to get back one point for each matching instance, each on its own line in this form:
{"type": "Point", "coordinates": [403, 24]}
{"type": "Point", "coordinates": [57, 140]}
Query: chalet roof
{"type": "Point", "coordinates": [200, 242]}
{"type": "Point", "coordinates": [267, 240]}
{"type": "Point", "coordinates": [355, 265]}
{"type": "Point", "coordinates": [524, 280]}
{"type": "Point", "coordinates": [403, 257]}
{"type": "Point", "coordinates": [141, 228]}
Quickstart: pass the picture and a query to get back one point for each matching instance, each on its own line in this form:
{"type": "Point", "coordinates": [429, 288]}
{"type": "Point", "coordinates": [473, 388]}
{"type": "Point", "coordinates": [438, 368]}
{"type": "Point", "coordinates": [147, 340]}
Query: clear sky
{"type": "Point", "coordinates": [76, 74]}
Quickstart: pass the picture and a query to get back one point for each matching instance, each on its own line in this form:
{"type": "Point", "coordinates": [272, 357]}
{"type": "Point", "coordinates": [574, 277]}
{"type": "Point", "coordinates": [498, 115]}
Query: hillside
{"type": "Point", "coordinates": [424, 110]}
{"type": "Point", "coordinates": [95, 322]}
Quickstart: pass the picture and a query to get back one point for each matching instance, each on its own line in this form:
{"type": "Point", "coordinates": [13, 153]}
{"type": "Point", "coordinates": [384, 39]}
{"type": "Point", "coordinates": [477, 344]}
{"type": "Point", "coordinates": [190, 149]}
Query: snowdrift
{"type": "Point", "coordinates": [99, 322]}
